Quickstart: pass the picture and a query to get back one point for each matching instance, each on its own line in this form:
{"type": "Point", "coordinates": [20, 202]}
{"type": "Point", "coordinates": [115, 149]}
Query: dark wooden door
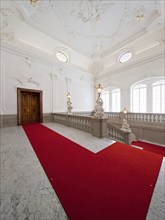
{"type": "Point", "coordinates": [29, 106]}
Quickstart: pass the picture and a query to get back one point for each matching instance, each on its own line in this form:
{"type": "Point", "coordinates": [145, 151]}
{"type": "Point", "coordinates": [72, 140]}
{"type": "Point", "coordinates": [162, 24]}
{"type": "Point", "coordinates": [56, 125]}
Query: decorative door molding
{"type": "Point", "coordinates": [19, 110]}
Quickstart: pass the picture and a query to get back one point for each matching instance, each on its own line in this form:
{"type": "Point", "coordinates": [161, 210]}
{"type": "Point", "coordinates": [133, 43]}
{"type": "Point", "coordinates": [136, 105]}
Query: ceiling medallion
{"type": "Point", "coordinates": [87, 10]}
{"type": "Point", "coordinates": [62, 56]}
{"type": "Point", "coordinates": [124, 57]}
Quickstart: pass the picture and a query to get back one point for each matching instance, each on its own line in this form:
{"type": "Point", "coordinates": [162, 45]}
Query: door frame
{"type": "Point", "coordinates": [19, 90]}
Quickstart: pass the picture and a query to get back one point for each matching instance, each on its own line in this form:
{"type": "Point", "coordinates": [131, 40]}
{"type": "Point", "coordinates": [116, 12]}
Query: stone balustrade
{"type": "Point", "coordinates": [74, 121]}
{"type": "Point", "coordinates": [97, 127]}
{"type": "Point", "coordinates": [115, 133]}
{"type": "Point", "coordinates": [141, 117]}
{"type": "Point", "coordinates": [146, 117]}
{"type": "Point", "coordinates": [112, 114]}
{"type": "Point", "coordinates": [145, 126]}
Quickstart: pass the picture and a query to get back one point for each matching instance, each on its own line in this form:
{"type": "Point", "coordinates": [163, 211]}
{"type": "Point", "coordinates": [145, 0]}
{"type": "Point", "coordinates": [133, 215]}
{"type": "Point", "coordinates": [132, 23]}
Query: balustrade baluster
{"type": "Point", "coordinates": [152, 118]}
{"type": "Point", "coordinates": [156, 118]}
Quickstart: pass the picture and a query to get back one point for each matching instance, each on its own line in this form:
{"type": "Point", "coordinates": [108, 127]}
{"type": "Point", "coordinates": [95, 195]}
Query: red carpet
{"type": "Point", "coordinates": [115, 184]}
{"type": "Point", "coordinates": [150, 147]}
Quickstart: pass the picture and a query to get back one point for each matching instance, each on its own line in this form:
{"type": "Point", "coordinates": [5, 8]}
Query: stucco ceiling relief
{"type": "Point", "coordinates": [6, 30]}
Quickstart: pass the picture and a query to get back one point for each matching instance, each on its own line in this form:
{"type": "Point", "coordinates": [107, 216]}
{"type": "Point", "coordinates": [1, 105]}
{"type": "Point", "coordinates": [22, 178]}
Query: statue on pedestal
{"type": "Point", "coordinates": [69, 103]}
{"type": "Point", "coordinates": [125, 126]}
{"type": "Point", "coordinates": [99, 111]}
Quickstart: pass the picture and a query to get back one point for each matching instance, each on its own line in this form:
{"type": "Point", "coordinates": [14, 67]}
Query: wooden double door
{"type": "Point", "coordinates": [29, 106]}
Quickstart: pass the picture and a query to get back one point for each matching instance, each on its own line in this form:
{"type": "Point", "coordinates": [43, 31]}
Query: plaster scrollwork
{"type": "Point", "coordinates": [29, 61]}
{"type": "Point", "coordinates": [7, 33]}
{"type": "Point", "coordinates": [23, 81]}
{"type": "Point", "coordinates": [89, 12]}
{"type": "Point", "coordinates": [52, 3]}
{"type": "Point", "coordinates": [154, 21]}
{"type": "Point", "coordinates": [60, 71]}
{"type": "Point", "coordinates": [53, 76]}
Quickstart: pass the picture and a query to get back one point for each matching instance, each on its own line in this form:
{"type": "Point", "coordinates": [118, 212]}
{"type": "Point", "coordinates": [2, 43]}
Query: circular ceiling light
{"type": "Point", "coordinates": [62, 56]}
{"type": "Point", "coordinates": [125, 57]}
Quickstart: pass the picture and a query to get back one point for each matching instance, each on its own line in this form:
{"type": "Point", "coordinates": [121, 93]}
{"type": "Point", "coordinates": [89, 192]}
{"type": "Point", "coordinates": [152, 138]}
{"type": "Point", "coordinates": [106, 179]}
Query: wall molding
{"type": "Point", "coordinates": [110, 73]}
{"type": "Point", "coordinates": [51, 62]}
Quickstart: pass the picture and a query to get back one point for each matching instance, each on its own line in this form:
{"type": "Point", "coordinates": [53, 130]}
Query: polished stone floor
{"type": "Point", "coordinates": [26, 193]}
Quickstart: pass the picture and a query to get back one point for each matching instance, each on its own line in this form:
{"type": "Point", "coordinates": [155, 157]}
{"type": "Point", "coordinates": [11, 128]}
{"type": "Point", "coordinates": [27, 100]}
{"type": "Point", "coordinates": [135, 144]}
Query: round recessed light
{"type": "Point", "coordinates": [62, 56]}
{"type": "Point", "coordinates": [125, 57]}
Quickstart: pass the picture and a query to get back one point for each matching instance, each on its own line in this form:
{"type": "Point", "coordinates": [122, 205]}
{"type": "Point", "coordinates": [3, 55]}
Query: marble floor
{"type": "Point", "coordinates": [26, 193]}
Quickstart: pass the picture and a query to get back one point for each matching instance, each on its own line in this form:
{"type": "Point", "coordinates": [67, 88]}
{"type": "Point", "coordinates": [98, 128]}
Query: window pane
{"type": "Point", "coordinates": [139, 98]}
{"type": "Point", "coordinates": [135, 100]}
{"type": "Point", "coordinates": [105, 98]}
{"type": "Point", "coordinates": [142, 106]}
{"type": "Point", "coordinates": [158, 97]}
{"type": "Point", "coordinates": [116, 100]}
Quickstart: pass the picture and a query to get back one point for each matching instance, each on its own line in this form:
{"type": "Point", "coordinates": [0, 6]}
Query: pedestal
{"type": "Point", "coordinates": [99, 127]}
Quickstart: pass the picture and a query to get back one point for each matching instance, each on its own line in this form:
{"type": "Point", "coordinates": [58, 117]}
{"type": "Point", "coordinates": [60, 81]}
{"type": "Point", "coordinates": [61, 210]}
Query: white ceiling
{"type": "Point", "coordinates": [92, 30]}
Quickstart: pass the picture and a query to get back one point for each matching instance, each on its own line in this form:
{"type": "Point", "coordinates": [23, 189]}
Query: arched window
{"type": "Point", "coordinates": [105, 98]}
{"type": "Point", "coordinates": [139, 98]}
{"type": "Point", "coordinates": [158, 96]}
{"type": "Point", "coordinates": [115, 100]}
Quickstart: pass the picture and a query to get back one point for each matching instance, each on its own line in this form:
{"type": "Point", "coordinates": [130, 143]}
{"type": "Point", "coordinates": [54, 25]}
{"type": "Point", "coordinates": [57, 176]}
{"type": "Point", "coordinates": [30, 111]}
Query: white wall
{"type": "Point", "coordinates": [57, 80]}
{"type": "Point", "coordinates": [125, 77]}
{"type": "Point", "coordinates": [54, 80]}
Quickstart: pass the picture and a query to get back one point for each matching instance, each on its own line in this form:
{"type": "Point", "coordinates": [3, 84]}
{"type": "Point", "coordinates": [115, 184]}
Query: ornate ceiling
{"type": "Point", "coordinates": [94, 29]}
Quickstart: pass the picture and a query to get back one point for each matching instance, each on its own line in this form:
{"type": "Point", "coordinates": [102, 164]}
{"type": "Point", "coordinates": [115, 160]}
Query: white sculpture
{"type": "Point", "coordinates": [99, 111]}
{"type": "Point", "coordinates": [69, 104]}
{"type": "Point", "coordinates": [125, 126]}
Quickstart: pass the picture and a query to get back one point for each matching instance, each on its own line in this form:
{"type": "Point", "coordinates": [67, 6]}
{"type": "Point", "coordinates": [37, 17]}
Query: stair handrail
{"type": "Point", "coordinates": [116, 133]}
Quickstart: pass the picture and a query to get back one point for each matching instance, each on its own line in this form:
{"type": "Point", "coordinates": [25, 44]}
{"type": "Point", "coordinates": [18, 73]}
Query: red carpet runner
{"type": "Point", "coordinates": [150, 147]}
{"type": "Point", "coordinates": [115, 184]}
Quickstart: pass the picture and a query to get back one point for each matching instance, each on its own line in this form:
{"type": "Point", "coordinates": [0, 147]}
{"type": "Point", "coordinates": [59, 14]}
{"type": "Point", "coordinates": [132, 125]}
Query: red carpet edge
{"type": "Point", "coordinates": [150, 147]}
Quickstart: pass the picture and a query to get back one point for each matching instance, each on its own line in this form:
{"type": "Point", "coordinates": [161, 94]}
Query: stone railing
{"type": "Point", "coordinates": [115, 133]}
{"type": "Point", "coordinates": [112, 114]}
{"type": "Point", "coordinates": [75, 121]}
{"type": "Point", "coordinates": [80, 122]}
{"type": "Point", "coordinates": [61, 118]}
{"type": "Point", "coordinates": [146, 117]}
{"type": "Point", "coordinates": [97, 127]}
{"type": "Point", "coordinates": [82, 113]}
{"type": "Point", "coordinates": [138, 117]}
{"type": "Point", "coordinates": [145, 126]}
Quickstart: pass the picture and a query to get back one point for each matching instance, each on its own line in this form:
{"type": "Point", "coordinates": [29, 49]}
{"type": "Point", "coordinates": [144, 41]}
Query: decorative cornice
{"type": "Point", "coordinates": [131, 65]}
{"type": "Point", "coordinates": [30, 80]}
{"type": "Point", "coordinates": [126, 43]}
{"type": "Point", "coordinates": [43, 59]}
